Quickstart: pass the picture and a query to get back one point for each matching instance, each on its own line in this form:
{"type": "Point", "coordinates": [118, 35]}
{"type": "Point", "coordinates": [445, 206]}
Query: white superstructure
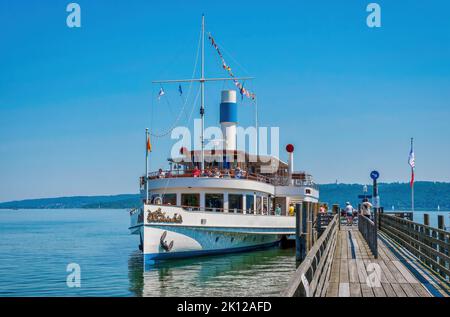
{"type": "Point", "coordinates": [189, 215]}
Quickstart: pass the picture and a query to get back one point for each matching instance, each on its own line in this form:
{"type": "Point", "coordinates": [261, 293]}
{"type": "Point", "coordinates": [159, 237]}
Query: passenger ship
{"type": "Point", "coordinates": [219, 201]}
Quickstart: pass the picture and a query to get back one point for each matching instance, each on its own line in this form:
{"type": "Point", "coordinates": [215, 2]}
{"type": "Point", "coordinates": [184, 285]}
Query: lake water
{"type": "Point", "coordinates": [37, 245]}
{"type": "Point", "coordinates": [433, 216]}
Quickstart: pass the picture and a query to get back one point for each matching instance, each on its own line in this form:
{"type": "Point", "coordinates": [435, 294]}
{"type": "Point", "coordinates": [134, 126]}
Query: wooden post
{"type": "Point", "coordinates": [441, 222]}
{"type": "Point", "coordinates": [375, 218]}
{"type": "Point", "coordinates": [300, 232]}
{"type": "Point", "coordinates": [298, 257]}
{"type": "Point", "coordinates": [375, 233]}
{"type": "Point", "coordinates": [441, 237]}
{"type": "Point", "coordinates": [314, 220]}
{"type": "Point", "coordinates": [426, 222]}
{"type": "Point", "coordinates": [309, 225]}
{"type": "Point", "coordinates": [426, 219]}
{"type": "Point", "coordinates": [337, 210]}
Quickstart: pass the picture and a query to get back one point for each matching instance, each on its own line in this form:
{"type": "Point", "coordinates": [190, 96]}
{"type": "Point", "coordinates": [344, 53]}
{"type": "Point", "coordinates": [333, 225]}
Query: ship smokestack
{"type": "Point", "coordinates": [228, 119]}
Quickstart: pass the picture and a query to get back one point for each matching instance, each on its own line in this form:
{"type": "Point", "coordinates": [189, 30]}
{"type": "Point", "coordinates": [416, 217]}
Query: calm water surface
{"type": "Point", "coordinates": [37, 245]}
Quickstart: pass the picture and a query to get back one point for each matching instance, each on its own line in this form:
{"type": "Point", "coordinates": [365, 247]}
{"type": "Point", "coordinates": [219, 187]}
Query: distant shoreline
{"type": "Point", "coordinates": [428, 196]}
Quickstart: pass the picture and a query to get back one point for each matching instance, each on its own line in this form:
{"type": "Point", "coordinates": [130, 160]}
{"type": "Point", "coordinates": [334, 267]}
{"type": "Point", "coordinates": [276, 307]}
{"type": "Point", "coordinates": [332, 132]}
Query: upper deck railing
{"type": "Point", "coordinates": [298, 179]}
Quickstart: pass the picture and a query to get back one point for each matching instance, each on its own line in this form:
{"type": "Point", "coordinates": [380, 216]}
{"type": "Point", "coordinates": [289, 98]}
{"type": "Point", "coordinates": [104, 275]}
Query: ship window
{"type": "Point", "coordinates": [190, 201]}
{"type": "Point", "coordinates": [214, 202]}
{"type": "Point", "coordinates": [265, 200]}
{"type": "Point", "coordinates": [258, 204]}
{"type": "Point", "coordinates": [170, 199]}
{"type": "Point", "coordinates": [250, 202]}
{"type": "Point", "coordinates": [235, 203]}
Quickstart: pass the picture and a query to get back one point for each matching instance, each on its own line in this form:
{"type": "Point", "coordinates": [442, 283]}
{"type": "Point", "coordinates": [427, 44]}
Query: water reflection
{"type": "Point", "coordinates": [259, 273]}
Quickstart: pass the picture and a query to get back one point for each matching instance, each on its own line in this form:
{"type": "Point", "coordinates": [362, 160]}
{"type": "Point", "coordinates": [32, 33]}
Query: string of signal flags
{"type": "Point", "coordinates": [242, 90]}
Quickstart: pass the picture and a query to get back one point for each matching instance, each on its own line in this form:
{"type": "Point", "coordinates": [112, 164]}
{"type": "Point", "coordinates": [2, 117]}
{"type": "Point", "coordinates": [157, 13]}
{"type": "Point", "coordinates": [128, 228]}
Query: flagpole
{"type": "Point", "coordinates": [146, 165]}
{"type": "Point", "coordinates": [256, 123]}
{"type": "Point", "coordinates": [412, 173]}
{"type": "Point", "coordinates": [412, 197]}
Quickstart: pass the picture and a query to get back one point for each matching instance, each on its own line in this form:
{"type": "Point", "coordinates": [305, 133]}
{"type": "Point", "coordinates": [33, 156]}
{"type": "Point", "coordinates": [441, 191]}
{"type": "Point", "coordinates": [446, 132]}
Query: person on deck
{"type": "Point", "coordinates": [278, 210]}
{"type": "Point", "coordinates": [217, 173]}
{"type": "Point", "coordinates": [291, 210]}
{"type": "Point", "coordinates": [208, 173]}
{"type": "Point", "coordinates": [238, 172]}
{"type": "Point", "coordinates": [322, 209]}
{"type": "Point", "coordinates": [226, 174]}
{"type": "Point", "coordinates": [196, 172]}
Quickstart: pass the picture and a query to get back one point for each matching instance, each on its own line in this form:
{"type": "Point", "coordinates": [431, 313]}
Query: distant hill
{"type": "Point", "coordinates": [428, 195]}
{"type": "Point", "coordinates": [88, 202]}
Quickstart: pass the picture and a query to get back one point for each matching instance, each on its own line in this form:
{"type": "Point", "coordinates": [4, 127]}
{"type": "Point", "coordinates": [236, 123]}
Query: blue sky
{"type": "Point", "coordinates": [74, 103]}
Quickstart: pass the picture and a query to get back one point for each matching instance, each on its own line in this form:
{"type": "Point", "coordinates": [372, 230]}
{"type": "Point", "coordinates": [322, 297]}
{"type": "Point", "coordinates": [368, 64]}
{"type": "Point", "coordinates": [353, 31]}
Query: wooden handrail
{"type": "Point", "coordinates": [368, 230]}
{"type": "Point", "coordinates": [310, 277]}
{"type": "Point", "coordinates": [430, 245]}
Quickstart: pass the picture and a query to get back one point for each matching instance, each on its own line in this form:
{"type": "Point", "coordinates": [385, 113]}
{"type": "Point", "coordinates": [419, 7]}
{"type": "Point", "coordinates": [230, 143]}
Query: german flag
{"type": "Point", "coordinates": [149, 145]}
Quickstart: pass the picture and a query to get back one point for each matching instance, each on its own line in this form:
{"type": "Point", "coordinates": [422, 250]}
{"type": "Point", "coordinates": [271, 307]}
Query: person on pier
{"type": "Point", "coordinates": [366, 208]}
{"type": "Point", "coordinates": [349, 213]}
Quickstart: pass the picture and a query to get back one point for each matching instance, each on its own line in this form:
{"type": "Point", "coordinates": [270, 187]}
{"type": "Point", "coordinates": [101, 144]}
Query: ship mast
{"type": "Point", "coordinates": [202, 88]}
{"type": "Point", "coordinates": [202, 80]}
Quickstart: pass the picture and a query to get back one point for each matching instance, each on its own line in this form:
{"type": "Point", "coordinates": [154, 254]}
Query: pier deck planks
{"type": "Point", "coordinates": [352, 272]}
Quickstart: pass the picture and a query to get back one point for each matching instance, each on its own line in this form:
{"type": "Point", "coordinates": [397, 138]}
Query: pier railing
{"type": "Point", "coordinates": [311, 277]}
{"type": "Point", "coordinates": [368, 230]}
{"type": "Point", "coordinates": [430, 245]}
{"type": "Point", "coordinates": [322, 222]}
{"type": "Point", "coordinates": [400, 214]}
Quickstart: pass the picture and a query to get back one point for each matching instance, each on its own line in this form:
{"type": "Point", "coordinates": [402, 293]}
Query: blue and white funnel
{"type": "Point", "coordinates": [228, 118]}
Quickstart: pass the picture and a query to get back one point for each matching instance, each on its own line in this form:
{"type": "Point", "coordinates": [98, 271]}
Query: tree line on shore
{"type": "Point", "coordinates": [428, 196]}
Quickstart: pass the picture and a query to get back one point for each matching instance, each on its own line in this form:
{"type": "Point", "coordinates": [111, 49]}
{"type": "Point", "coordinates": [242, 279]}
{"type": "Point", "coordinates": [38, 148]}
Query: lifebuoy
{"type": "Point", "coordinates": [157, 200]}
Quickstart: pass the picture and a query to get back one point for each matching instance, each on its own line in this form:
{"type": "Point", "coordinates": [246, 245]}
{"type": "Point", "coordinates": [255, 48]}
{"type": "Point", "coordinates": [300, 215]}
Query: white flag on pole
{"type": "Point", "coordinates": [161, 93]}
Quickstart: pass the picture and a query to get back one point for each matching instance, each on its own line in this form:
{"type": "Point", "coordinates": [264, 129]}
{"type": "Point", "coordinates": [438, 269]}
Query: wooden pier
{"type": "Point", "coordinates": [342, 264]}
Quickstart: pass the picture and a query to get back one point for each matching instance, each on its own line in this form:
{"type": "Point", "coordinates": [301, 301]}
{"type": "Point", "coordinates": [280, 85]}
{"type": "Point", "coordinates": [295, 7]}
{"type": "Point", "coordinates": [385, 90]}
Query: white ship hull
{"type": "Point", "coordinates": [180, 234]}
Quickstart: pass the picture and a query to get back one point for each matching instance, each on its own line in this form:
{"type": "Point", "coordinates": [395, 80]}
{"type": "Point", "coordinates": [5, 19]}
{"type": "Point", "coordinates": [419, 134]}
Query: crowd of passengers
{"type": "Point", "coordinates": [215, 173]}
